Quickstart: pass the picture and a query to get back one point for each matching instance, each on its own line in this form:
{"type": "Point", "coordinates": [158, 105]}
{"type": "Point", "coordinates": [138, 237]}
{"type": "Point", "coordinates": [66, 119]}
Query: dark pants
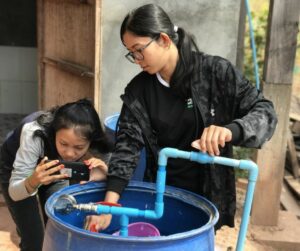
{"type": "Point", "coordinates": [26, 215]}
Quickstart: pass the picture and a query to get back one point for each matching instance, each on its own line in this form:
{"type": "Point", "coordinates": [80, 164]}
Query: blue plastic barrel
{"type": "Point", "coordinates": [187, 224]}
{"type": "Point", "coordinates": [110, 124]}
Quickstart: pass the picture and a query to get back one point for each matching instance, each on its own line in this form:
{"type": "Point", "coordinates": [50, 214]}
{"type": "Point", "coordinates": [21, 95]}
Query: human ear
{"type": "Point", "coordinates": [165, 40]}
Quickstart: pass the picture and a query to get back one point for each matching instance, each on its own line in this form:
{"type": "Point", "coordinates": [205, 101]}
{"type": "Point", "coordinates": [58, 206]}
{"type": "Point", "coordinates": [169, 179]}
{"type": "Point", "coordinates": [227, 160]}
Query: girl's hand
{"type": "Point", "coordinates": [98, 169]}
{"type": "Point", "coordinates": [211, 138]}
{"type": "Point", "coordinates": [101, 222]}
{"type": "Point", "coordinates": [44, 174]}
{"type": "Point", "coordinates": [97, 222]}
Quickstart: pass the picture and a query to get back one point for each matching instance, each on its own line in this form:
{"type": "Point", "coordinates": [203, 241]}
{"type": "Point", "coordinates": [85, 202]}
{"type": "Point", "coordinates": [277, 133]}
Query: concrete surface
{"type": "Point", "coordinates": [18, 79]}
{"type": "Point", "coordinates": [214, 24]}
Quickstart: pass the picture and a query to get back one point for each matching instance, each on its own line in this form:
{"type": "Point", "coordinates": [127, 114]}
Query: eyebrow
{"type": "Point", "coordinates": [80, 146]}
{"type": "Point", "coordinates": [133, 46]}
{"type": "Point", "coordinates": [64, 142]}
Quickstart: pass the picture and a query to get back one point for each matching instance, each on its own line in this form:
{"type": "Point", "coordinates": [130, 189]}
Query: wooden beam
{"type": "Point", "coordinates": [295, 116]}
{"type": "Point", "coordinates": [281, 41]}
{"type": "Point", "coordinates": [271, 161]}
{"type": "Point", "coordinates": [79, 70]}
{"type": "Point", "coordinates": [279, 62]}
{"type": "Point", "coordinates": [98, 53]}
{"type": "Point", "coordinates": [293, 155]}
{"type": "Point", "coordinates": [288, 201]}
{"type": "Point", "coordinates": [295, 128]}
{"type": "Point", "coordinates": [293, 184]}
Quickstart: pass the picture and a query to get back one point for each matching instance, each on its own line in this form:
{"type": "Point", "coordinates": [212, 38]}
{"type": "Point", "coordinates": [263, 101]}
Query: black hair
{"type": "Point", "coordinates": [151, 20]}
{"type": "Point", "coordinates": [82, 117]}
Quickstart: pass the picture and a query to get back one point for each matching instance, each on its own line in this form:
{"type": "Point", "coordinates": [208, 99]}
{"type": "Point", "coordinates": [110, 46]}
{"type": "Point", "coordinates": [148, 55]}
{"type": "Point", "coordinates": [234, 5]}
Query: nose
{"type": "Point", "coordinates": [69, 155]}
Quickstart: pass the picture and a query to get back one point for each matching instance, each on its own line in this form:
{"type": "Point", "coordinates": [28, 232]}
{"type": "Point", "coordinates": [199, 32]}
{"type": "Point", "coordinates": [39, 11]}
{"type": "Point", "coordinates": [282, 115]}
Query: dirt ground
{"type": "Point", "coordinates": [9, 238]}
{"type": "Point", "coordinates": [283, 237]}
{"type": "Point", "coordinates": [226, 238]}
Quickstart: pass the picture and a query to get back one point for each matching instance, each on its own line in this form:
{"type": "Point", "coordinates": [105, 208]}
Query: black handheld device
{"type": "Point", "coordinates": [75, 170]}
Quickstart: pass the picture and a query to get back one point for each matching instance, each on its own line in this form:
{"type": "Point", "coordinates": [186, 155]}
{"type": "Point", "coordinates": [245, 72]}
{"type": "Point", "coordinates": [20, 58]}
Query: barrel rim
{"type": "Point", "coordinates": [111, 121]}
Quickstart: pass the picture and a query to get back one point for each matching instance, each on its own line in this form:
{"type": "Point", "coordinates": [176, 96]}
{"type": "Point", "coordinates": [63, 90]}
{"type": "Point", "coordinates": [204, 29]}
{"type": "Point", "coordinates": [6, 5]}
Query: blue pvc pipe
{"type": "Point", "coordinates": [252, 177]}
{"type": "Point", "coordinates": [199, 157]}
{"type": "Point", "coordinates": [124, 221]}
{"type": "Point", "coordinates": [207, 159]}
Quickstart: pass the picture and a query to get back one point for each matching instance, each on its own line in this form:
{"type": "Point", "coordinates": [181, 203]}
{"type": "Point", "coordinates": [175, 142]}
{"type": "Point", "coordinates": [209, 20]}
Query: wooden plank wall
{"type": "Point", "coordinates": [69, 52]}
{"type": "Point", "coordinates": [279, 62]}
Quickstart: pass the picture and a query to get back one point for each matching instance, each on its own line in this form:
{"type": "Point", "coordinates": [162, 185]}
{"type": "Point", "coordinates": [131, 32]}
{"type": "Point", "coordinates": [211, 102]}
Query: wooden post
{"type": "Point", "coordinates": [278, 74]}
{"type": "Point", "coordinates": [98, 60]}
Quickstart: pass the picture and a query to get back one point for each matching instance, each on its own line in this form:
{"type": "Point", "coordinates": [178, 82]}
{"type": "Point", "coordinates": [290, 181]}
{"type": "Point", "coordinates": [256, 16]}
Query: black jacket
{"type": "Point", "coordinates": [223, 97]}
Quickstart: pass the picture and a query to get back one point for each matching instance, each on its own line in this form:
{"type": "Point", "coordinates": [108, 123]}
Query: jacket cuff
{"type": "Point", "coordinates": [237, 133]}
{"type": "Point", "coordinates": [116, 184]}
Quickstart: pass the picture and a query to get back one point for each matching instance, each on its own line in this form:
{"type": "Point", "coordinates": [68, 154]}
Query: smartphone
{"type": "Point", "coordinates": [75, 170]}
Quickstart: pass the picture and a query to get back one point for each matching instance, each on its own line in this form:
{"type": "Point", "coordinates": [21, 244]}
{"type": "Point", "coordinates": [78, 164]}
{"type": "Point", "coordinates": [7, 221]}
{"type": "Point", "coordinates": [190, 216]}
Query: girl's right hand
{"type": "Point", "coordinates": [212, 138]}
{"type": "Point", "coordinates": [44, 174]}
{"type": "Point", "coordinates": [101, 222]}
{"type": "Point", "coordinates": [97, 222]}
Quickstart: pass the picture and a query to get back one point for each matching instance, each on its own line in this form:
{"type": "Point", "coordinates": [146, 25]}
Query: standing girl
{"type": "Point", "coordinates": [183, 99]}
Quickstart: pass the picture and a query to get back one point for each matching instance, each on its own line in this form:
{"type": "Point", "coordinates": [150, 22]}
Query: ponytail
{"type": "Point", "coordinates": [186, 46]}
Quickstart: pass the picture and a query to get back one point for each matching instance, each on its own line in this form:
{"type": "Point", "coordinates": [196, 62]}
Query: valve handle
{"type": "Point", "coordinates": [111, 204]}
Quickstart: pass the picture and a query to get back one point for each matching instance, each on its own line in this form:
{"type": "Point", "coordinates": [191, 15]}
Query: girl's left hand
{"type": "Point", "coordinates": [211, 138]}
{"type": "Point", "coordinates": [97, 222]}
{"type": "Point", "coordinates": [98, 169]}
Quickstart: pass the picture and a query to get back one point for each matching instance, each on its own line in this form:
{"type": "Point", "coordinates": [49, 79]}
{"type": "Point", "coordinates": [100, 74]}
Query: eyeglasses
{"type": "Point", "coordinates": [137, 54]}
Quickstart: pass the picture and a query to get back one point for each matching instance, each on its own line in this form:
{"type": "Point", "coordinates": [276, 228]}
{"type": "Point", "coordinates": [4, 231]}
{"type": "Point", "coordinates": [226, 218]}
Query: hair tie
{"type": "Point", "coordinates": [175, 28]}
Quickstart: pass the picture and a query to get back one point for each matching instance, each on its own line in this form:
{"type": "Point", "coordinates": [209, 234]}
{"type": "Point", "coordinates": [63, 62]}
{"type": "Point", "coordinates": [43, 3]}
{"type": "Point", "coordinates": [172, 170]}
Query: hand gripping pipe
{"type": "Point", "coordinates": [202, 158]}
{"type": "Point", "coordinates": [207, 159]}
{"type": "Point", "coordinates": [126, 212]}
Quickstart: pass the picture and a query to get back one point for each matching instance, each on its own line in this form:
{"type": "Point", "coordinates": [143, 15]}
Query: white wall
{"type": "Point", "coordinates": [18, 79]}
{"type": "Point", "coordinates": [214, 23]}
